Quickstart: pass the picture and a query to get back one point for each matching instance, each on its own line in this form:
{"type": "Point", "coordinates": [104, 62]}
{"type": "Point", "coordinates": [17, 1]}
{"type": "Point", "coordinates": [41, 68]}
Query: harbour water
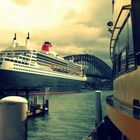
{"type": "Point", "coordinates": [71, 117]}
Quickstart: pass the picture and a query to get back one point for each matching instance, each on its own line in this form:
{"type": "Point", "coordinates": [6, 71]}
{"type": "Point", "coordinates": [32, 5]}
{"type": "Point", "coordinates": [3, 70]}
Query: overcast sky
{"type": "Point", "coordinates": [72, 26]}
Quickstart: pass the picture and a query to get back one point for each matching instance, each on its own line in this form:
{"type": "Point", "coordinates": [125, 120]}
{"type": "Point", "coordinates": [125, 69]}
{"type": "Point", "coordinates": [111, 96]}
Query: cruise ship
{"type": "Point", "coordinates": [23, 67]}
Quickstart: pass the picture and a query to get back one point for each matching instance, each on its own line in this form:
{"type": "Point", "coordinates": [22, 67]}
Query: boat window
{"type": "Point", "coordinates": [123, 53]}
{"type": "Point", "coordinates": [12, 60]}
{"type": "Point", "coordinates": [123, 38]}
{"type": "Point", "coordinates": [123, 61]}
{"type": "Point", "coordinates": [130, 36]}
{"type": "Point", "coordinates": [9, 53]}
{"type": "Point", "coordinates": [17, 53]}
{"type": "Point", "coordinates": [19, 61]}
{"type": "Point", "coordinates": [131, 55]}
{"type": "Point", "coordinates": [6, 59]}
{"type": "Point", "coordinates": [26, 63]}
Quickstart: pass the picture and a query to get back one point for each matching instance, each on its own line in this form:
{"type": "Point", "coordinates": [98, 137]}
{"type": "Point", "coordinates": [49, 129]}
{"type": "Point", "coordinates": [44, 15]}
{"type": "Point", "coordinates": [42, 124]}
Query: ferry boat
{"type": "Point", "coordinates": [123, 108]}
{"type": "Point", "coordinates": [25, 67]}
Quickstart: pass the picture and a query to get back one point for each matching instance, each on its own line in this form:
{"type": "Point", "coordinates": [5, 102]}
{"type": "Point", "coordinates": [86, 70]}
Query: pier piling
{"type": "Point", "coordinates": [98, 107]}
{"type": "Point", "coordinates": [13, 118]}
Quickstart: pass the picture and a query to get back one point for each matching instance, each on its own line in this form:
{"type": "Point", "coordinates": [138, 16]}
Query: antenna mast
{"type": "Point", "coordinates": [28, 41]}
{"type": "Point", "coordinates": [14, 41]}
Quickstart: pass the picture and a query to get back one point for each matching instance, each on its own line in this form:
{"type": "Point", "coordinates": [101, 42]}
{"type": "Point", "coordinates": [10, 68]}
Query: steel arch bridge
{"type": "Point", "coordinates": [98, 72]}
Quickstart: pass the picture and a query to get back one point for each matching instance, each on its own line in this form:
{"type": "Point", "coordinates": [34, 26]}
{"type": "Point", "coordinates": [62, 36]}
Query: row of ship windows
{"type": "Point", "coordinates": [11, 60]}
{"type": "Point", "coordinates": [12, 53]}
{"type": "Point", "coordinates": [60, 70]}
{"type": "Point", "coordinates": [20, 62]}
{"type": "Point", "coordinates": [24, 69]}
{"type": "Point", "coordinates": [26, 58]}
{"type": "Point", "coordinates": [59, 65]}
{"type": "Point", "coordinates": [27, 70]}
{"type": "Point", "coordinates": [20, 65]}
{"type": "Point", "coordinates": [50, 60]}
{"type": "Point", "coordinates": [16, 61]}
{"type": "Point", "coordinates": [26, 66]}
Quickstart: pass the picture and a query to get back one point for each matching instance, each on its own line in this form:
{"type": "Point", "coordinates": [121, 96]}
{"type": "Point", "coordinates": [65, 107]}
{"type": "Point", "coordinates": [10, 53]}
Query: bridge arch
{"type": "Point", "coordinates": [97, 71]}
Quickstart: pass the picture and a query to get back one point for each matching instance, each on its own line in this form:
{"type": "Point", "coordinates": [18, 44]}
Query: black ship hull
{"type": "Point", "coordinates": [17, 80]}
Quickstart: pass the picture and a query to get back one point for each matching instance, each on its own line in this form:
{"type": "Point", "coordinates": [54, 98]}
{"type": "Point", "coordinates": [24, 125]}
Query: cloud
{"type": "Point", "coordinates": [73, 26]}
{"type": "Point", "coordinates": [21, 2]}
{"type": "Point", "coordinates": [93, 37]}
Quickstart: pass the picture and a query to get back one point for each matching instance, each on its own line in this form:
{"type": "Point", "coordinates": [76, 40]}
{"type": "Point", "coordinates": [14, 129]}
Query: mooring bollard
{"type": "Point", "coordinates": [13, 118]}
{"type": "Point", "coordinates": [98, 107]}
